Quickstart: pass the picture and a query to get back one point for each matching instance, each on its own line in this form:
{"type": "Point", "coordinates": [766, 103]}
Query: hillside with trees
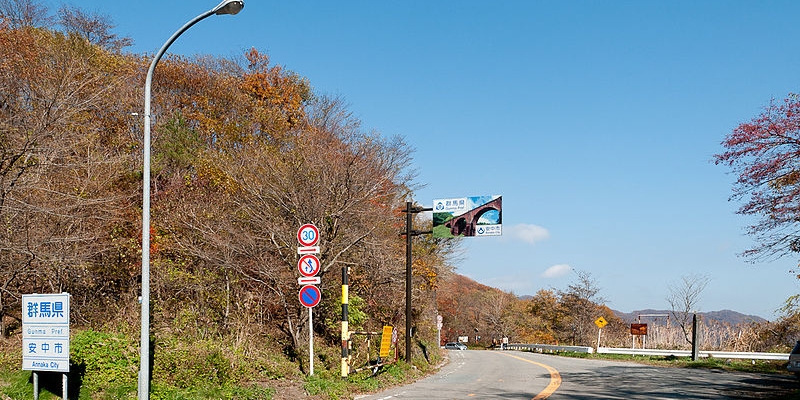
{"type": "Point", "coordinates": [566, 316]}
{"type": "Point", "coordinates": [244, 152]}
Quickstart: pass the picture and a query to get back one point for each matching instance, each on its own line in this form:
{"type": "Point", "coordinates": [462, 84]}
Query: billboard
{"type": "Point", "coordinates": [468, 216]}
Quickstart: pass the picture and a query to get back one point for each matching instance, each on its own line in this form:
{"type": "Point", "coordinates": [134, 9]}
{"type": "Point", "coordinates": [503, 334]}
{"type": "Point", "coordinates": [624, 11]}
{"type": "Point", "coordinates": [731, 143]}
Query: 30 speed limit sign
{"type": "Point", "coordinates": [308, 235]}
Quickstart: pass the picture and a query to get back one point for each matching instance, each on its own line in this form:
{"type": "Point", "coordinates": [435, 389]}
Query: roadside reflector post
{"type": "Point", "coordinates": [345, 335]}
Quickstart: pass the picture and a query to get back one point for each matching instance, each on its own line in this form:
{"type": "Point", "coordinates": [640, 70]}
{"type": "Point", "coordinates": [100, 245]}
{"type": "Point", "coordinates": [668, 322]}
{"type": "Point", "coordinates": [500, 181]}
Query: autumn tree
{"type": "Point", "coordinates": [499, 312]}
{"type": "Point", "coordinates": [23, 13]}
{"type": "Point", "coordinates": [580, 303]}
{"type": "Point", "coordinates": [764, 153]}
{"type": "Point", "coordinates": [457, 302]}
{"type": "Point", "coordinates": [61, 195]}
{"type": "Point", "coordinates": [95, 28]}
{"type": "Point", "coordinates": [546, 317]}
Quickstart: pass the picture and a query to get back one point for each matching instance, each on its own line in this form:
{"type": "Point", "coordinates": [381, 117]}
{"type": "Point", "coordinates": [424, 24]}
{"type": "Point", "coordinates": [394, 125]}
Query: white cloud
{"type": "Point", "coordinates": [528, 233]}
{"type": "Point", "coordinates": [556, 271]}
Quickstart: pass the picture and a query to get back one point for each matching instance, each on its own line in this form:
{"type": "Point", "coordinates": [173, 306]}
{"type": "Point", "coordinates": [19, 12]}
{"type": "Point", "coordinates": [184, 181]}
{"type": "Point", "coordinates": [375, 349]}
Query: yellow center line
{"type": "Point", "coordinates": [555, 378]}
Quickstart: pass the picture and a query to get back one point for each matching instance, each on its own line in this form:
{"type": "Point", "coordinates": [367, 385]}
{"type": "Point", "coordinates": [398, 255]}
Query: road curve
{"type": "Point", "coordinates": [555, 377]}
{"type": "Point", "coordinates": [473, 374]}
{"type": "Point", "coordinates": [520, 375]}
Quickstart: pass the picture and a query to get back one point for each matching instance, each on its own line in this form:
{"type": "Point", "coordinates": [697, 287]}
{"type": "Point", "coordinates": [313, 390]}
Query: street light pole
{"type": "Point", "coordinates": [225, 7]}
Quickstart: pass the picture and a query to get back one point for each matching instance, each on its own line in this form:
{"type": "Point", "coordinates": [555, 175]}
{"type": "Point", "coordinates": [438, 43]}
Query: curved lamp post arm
{"type": "Point", "coordinates": [225, 7]}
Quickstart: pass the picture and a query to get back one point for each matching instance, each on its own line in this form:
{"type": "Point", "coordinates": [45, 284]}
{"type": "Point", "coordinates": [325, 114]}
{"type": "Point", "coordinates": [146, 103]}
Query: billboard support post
{"type": "Point", "coordinates": [409, 233]}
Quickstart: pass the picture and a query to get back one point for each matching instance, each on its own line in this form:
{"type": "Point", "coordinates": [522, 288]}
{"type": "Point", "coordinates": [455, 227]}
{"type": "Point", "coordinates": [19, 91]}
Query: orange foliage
{"type": "Point", "coordinates": [273, 90]}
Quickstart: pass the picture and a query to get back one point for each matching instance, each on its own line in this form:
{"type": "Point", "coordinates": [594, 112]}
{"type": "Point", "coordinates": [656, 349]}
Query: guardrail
{"type": "Point", "coordinates": [688, 353]}
{"type": "Point", "coordinates": [541, 348]}
{"type": "Point", "coordinates": [548, 348]}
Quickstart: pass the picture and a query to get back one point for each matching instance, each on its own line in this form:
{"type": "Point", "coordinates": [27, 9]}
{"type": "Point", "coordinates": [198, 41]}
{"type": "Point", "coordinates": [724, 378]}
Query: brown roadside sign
{"type": "Point", "coordinates": [638, 329]}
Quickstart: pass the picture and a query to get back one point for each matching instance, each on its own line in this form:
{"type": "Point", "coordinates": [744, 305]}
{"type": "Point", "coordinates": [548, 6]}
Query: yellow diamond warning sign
{"type": "Point", "coordinates": [600, 322]}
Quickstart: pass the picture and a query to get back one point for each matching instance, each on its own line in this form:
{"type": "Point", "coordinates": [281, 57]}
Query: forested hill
{"type": "Point", "coordinates": [725, 316]}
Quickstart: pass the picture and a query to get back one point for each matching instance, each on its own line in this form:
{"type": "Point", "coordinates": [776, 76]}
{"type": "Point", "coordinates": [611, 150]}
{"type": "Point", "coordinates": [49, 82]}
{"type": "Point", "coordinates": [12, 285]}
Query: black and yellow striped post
{"type": "Point", "coordinates": [345, 334]}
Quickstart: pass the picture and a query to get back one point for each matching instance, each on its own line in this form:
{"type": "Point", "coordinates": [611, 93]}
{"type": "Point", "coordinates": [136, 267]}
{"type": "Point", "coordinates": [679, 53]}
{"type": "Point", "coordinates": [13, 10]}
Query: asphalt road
{"type": "Point", "coordinates": [474, 374]}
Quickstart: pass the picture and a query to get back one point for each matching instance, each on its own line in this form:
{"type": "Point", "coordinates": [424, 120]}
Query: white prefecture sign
{"type": "Point", "coordinates": [456, 205]}
{"type": "Point", "coordinates": [45, 332]}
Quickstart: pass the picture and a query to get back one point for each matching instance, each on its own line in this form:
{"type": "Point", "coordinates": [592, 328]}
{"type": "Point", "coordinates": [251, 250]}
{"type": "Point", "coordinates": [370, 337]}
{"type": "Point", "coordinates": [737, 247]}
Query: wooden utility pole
{"type": "Point", "coordinates": [409, 233]}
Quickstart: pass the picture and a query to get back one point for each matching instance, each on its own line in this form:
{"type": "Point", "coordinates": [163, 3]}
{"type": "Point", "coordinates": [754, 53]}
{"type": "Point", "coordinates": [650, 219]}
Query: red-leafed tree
{"type": "Point", "coordinates": [765, 154]}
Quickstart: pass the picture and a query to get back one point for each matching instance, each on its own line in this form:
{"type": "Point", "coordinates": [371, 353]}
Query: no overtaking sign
{"type": "Point", "coordinates": [308, 265]}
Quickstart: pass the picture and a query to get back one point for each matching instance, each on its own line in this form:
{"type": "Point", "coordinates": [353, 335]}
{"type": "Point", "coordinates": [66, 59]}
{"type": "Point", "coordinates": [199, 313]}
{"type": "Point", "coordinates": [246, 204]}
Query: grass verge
{"type": "Point", "coordinates": [739, 365]}
{"type": "Point", "coordinates": [105, 365]}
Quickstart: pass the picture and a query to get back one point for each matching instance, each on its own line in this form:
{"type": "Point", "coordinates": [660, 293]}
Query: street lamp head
{"type": "Point", "coordinates": [231, 7]}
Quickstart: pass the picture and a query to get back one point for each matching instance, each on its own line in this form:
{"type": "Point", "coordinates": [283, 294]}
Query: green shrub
{"type": "Point", "coordinates": [185, 364]}
{"type": "Point", "coordinates": [105, 361]}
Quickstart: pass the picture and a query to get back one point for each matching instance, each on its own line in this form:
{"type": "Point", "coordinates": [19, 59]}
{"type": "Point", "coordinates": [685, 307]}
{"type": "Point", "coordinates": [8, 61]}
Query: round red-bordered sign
{"type": "Point", "coordinates": [308, 235]}
{"type": "Point", "coordinates": [308, 265]}
{"type": "Point", "coordinates": [310, 296]}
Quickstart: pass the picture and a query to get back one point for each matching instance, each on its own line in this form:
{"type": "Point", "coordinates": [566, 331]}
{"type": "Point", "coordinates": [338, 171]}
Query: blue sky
{"type": "Point", "coordinates": [596, 121]}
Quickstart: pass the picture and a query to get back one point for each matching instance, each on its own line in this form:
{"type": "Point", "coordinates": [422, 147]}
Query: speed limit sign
{"type": "Point", "coordinates": [308, 235]}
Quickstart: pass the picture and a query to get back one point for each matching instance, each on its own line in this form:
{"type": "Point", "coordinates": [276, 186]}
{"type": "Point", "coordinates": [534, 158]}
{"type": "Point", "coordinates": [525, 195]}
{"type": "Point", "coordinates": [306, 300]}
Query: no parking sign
{"type": "Point", "coordinates": [310, 296]}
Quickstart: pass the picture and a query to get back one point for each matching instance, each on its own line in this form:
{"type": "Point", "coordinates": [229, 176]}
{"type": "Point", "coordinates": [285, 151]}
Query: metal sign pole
{"type": "Point", "coordinates": [599, 331]}
{"type": "Point", "coordinates": [408, 281]}
{"type": "Point", "coordinates": [308, 237]}
{"type": "Point", "coordinates": [310, 342]}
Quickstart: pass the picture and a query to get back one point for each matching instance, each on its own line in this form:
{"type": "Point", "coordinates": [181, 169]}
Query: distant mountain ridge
{"type": "Point", "coordinates": [727, 316]}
